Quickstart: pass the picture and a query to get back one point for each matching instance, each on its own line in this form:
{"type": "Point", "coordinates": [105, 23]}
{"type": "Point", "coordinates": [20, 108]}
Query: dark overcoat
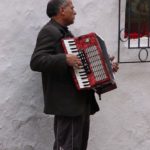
{"type": "Point", "coordinates": [61, 96]}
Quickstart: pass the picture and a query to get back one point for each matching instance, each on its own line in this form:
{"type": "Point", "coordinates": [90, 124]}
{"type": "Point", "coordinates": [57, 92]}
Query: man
{"type": "Point", "coordinates": [70, 106]}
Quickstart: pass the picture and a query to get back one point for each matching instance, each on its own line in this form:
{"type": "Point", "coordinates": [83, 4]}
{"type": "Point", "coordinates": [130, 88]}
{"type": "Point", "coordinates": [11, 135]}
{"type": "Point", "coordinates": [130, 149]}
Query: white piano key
{"type": "Point", "coordinates": [82, 71]}
{"type": "Point", "coordinates": [69, 40]}
{"type": "Point", "coordinates": [73, 46]}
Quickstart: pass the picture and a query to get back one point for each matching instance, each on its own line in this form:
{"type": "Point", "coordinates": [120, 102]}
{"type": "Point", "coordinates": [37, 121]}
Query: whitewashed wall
{"type": "Point", "coordinates": [123, 122]}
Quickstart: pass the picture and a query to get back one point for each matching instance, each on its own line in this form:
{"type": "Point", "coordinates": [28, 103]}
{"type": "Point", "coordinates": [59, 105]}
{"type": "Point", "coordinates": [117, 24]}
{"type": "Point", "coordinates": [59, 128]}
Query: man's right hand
{"type": "Point", "coordinates": [73, 60]}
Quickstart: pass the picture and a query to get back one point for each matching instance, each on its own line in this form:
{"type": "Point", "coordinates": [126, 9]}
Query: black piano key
{"type": "Point", "coordinates": [83, 75]}
{"type": "Point", "coordinates": [84, 78]}
{"type": "Point", "coordinates": [72, 44]}
{"type": "Point", "coordinates": [82, 72]}
{"type": "Point", "coordinates": [71, 41]}
{"type": "Point", "coordinates": [73, 48]}
{"type": "Point", "coordinates": [85, 82]}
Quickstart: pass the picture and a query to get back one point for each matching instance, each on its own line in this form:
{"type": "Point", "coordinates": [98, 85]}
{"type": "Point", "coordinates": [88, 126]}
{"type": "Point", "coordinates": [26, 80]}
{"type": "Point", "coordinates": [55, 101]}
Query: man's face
{"type": "Point", "coordinates": [69, 13]}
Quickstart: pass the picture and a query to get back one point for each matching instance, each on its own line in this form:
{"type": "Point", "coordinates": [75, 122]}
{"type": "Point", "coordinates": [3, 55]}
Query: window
{"type": "Point", "coordinates": [137, 19]}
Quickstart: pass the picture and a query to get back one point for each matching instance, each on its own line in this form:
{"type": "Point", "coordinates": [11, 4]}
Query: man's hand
{"type": "Point", "coordinates": [73, 61]}
{"type": "Point", "coordinates": [115, 65]}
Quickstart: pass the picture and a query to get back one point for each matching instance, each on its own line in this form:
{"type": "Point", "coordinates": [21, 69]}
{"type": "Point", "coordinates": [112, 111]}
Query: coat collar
{"type": "Point", "coordinates": [63, 29]}
{"type": "Point", "coordinates": [59, 26]}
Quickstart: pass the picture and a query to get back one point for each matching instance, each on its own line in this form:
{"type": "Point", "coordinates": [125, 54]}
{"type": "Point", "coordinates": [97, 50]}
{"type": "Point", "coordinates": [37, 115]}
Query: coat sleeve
{"type": "Point", "coordinates": [44, 57]}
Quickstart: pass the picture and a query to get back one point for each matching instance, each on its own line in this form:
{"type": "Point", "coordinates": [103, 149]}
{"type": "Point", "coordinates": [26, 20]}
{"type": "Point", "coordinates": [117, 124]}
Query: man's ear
{"type": "Point", "coordinates": [62, 11]}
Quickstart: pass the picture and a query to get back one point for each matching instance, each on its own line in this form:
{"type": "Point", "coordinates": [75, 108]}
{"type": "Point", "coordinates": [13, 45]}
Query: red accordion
{"type": "Point", "coordinates": [96, 71]}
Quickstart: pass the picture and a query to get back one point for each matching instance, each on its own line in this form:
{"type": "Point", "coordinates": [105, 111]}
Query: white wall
{"type": "Point", "coordinates": [123, 122]}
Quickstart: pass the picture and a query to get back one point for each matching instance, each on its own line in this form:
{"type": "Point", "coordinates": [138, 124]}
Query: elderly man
{"type": "Point", "coordinates": [71, 108]}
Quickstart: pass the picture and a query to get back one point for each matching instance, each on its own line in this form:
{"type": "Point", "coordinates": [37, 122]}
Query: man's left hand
{"type": "Point", "coordinates": [115, 65]}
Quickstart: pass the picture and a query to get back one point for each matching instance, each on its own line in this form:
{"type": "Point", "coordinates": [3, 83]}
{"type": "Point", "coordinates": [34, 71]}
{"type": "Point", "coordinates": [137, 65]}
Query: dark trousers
{"type": "Point", "coordinates": [71, 133]}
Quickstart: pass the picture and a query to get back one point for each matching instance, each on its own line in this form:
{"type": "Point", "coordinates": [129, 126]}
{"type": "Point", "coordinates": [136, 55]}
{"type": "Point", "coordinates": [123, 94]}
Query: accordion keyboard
{"type": "Point", "coordinates": [80, 73]}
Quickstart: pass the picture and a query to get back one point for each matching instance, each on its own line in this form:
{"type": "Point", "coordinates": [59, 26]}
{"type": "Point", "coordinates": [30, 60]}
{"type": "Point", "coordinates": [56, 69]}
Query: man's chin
{"type": "Point", "coordinates": [71, 22]}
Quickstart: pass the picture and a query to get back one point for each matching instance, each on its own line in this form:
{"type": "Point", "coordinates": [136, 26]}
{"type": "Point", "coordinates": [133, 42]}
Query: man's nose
{"type": "Point", "coordinates": [75, 12]}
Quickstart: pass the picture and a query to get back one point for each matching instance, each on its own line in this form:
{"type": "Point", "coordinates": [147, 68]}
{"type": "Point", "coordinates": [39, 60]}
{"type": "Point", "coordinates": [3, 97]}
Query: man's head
{"type": "Point", "coordinates": [62, 11]}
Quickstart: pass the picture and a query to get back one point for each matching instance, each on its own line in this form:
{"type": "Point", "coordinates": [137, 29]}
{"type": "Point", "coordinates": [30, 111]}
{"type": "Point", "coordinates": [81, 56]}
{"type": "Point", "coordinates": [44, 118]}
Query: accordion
{"type": "Point", "coordinates": [96, 71]}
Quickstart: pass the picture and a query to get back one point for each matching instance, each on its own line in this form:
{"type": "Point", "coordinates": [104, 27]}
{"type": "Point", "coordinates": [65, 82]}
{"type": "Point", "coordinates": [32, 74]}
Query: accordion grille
{"type": "Point", "coordinates": [95, 63]}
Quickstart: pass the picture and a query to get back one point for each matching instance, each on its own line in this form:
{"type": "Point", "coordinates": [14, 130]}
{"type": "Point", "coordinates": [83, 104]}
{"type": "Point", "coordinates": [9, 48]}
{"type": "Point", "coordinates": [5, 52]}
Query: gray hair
{"type": "Point", "coordinates": [53, 7]}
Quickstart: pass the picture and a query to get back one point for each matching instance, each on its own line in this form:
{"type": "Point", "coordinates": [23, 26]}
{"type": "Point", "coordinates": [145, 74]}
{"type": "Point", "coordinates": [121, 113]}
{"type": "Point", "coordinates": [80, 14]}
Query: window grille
{"type": "Point", "coordinates": [134, 31]}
